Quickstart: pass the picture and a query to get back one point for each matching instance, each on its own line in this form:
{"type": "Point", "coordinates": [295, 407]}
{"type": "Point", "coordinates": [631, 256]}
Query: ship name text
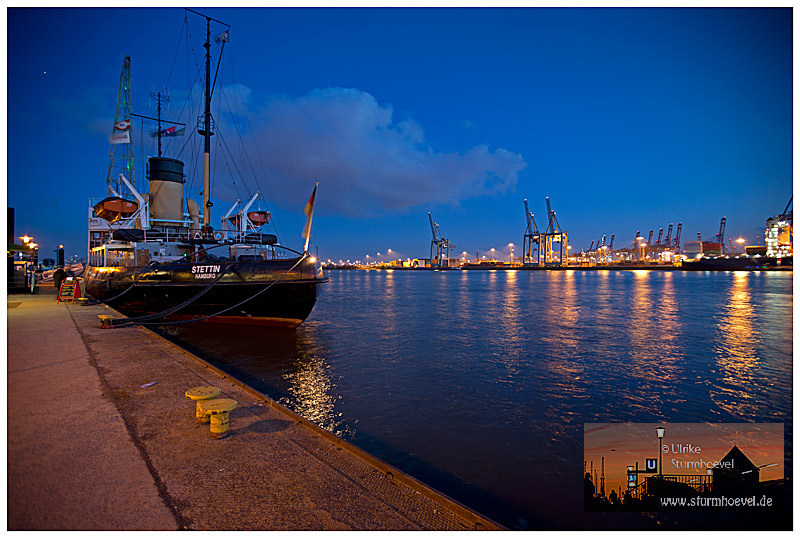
{"type": "Point", "coordinates": [205, 271]}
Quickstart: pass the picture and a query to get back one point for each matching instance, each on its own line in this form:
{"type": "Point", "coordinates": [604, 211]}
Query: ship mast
{"type": "Point", "coordinates": [120, 159]}
{"type": "Point", "coordinates": [207, 133]}
{"type": "Point", "coordinates": [205, 124]}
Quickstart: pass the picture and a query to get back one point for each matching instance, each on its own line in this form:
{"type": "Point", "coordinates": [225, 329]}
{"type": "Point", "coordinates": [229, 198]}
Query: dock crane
{"type": "Point", "coordinates": [440, 246]}
{"type": "Point", "coordinates": [650, 239]}
{"type": "Point", "coordinates": [677, 240]}
{"type": "Point", "coordinates": [719, 239]}
{"type": "Point", "coordinates": [611, 248]}
{"type": "Point", "coordinates": [667, 241]}
{"type": "Point", "coordinates": [786, 210]}
{"type": "Point", "coordinates": [660, 235]}
{"type": "Point", "coordinates": [531, 240]}
{"type": "Point", "coordinates": [554, 234]}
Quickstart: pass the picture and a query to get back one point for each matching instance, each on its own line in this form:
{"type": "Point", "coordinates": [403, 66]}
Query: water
{"type": "Point", "coordinates": [479, 382]}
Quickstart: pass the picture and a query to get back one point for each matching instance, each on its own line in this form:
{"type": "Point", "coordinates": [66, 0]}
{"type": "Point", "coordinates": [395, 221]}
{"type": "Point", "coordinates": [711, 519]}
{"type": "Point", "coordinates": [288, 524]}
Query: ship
{"type": "Point", "coordinates": [738, 263]}
{"type": "Point", "coordinates": [156, 257]}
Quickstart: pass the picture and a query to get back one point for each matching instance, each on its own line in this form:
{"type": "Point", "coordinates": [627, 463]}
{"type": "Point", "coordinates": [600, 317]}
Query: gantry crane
{"type": "Point", "coordinates": [531, 242]}
{"type": "Point", "coordinates": [677, 241]}
{"type": "Point", "coordinates": [554, 234]}
{"type": "Point", "coordinates": [719, 239]}
{"type": "Point", "coordinates": [440, 246]}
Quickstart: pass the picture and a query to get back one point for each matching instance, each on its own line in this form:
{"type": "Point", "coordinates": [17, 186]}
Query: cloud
{"type": "Point", "coordinates": [367, 162]}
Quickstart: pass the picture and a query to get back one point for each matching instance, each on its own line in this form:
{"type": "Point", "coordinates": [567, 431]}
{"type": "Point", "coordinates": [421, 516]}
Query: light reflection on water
{"type": "Point", "coordinates": [479, 382]}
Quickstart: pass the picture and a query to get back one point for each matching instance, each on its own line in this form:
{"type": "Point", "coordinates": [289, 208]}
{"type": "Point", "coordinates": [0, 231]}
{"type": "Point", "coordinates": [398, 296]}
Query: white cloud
{"type": "Point", "coordinates": [366, 162]}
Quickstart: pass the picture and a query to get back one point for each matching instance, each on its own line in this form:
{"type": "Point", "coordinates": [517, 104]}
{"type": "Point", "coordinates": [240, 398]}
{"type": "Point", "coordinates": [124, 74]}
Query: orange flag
{"type": "Point", "coordinates": [309, 211]}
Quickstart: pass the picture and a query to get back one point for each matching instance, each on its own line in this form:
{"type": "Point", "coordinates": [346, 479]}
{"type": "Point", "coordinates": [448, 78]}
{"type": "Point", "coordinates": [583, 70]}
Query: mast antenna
{"type": "Point", "coordinates": [159, 99]}
{"type": "Point", "coordinates": [120, 159]}
{"type": "Point", "coordinates": [205, 123]}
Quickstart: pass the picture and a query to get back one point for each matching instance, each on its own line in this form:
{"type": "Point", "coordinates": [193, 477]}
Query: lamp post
{"type": "Point", "coordinates": [492, 254]}
{"type": "Point", "coordinates": [741, 243]}
{"type": "Point", "coordinates": [511, 252]}
{"type": "Point", "coordinates": [660, 432]}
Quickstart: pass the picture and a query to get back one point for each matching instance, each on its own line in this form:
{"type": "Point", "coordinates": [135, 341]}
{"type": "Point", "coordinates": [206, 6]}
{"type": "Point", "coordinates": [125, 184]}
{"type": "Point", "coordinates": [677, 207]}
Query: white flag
{"type": "Point", "coordinates": [120, 137]}
{"type": "Point", "coordinates": [224, 37]}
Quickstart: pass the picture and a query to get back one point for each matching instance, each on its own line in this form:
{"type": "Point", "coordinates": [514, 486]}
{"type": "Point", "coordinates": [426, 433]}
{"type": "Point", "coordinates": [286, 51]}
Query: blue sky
{"type": "Point", "coordinates": [628, 119]}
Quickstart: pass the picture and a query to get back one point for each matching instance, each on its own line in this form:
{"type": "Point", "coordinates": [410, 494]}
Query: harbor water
{"type": "Point", "coordinates": [479, 383]}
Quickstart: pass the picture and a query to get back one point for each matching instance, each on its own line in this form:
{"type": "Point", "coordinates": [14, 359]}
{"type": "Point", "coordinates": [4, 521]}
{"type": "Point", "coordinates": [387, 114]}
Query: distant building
{"type": "Point", "coordinates": [778, 236]}
{"type": "Point", "coordinates": [755, 250]}
{"type": "Point", "coordinates": [693, 249]}
{"type": "Point", "coordinates": [735, 473]}
{"type": "Point", "coordinates": [711, 248]}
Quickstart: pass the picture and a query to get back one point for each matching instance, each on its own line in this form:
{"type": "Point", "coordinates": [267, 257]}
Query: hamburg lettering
{"type": "Point", "coordinates": [205, 271]}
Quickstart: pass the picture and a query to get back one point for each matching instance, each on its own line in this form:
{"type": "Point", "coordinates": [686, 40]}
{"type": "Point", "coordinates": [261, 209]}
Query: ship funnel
{"type": "Point", "coordinates": [194, 213]}
{"type": "Point", "coordinates": [166, 188]}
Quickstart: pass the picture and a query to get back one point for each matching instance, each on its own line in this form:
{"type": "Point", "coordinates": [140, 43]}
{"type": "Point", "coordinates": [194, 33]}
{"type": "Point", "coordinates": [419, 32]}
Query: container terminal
{"type": "Point", "coordinates": [550, 249]}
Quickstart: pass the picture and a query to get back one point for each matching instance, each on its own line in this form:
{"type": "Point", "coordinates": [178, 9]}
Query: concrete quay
{"type": "Point", "coordinates": [92, 447]}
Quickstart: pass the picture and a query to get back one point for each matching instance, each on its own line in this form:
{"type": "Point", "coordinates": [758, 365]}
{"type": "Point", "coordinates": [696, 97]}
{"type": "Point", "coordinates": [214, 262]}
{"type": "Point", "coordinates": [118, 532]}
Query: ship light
{"type": "Point", "coordinates": [312, 259]}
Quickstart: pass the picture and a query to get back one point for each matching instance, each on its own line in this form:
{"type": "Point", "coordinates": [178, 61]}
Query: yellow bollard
{"type": "Point", "coordinates": [219, 410]}
{"type": "Point", "coordinates": [201, 394]}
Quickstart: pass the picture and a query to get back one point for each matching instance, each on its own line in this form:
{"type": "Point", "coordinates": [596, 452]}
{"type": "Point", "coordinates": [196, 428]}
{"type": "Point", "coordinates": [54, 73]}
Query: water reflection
{"type": "Point", "coordinates": [736, 352]}
{"type": "Point", "coordinates": [290, 364]}
{"type": "Point", "coordinates": [485, 378]}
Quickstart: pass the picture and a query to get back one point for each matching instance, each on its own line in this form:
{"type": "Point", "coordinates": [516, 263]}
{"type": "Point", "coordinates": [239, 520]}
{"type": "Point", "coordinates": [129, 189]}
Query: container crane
{"type": "Point", "coordinates": [660, 235]}
{"type": "Point", "coordinates": [718, 243]}
{"type": "Point", "coordinates": [611, 248]}
{"type": "Point", "coordinates": [531, 240]}
{"type": "Point", "coordinates": [554, 234]}
{"type": "Point", "coordinates": [667, 241]}
{"type": "Point", "coordinates": [440, 246]}
{"type": "Point", "coordinates": [677, 241]}
{"type": "Point", "coordinates": [786, 210]}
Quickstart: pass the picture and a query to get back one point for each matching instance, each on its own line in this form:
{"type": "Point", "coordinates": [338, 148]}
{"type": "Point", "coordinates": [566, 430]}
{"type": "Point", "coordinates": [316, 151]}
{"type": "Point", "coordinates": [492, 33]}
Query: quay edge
{"type": "Point", "coordinates": [276, 471]}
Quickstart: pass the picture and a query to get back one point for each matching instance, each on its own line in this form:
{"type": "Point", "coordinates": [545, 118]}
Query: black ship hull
{"type": "Point", "coordinates": [276, 292]}
{"type": "Point", "coordinates": [739, 264]}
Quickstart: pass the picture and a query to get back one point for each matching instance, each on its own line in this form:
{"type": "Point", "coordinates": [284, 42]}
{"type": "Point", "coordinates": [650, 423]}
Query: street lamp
{"type": "Point", "coordinates": [660, 432]}
{"type": "Point", "coordinates": [741, 243]}
{"type": "Point", "coordinates": [492, 254]}
{"type": "Point", "coordinates": [511, 252]}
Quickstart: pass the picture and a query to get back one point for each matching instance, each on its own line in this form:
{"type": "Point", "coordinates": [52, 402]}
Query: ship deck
{"type": "Point", "coordinates": [92, 447]}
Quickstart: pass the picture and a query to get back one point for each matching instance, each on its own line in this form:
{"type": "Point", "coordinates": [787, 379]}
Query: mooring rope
{"type": "Point", "coordinates": [145, 320]}
{"type": "Point", "coordinates": [138, 273]}
{"type": "Point", "coordinates": [175, 308]}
